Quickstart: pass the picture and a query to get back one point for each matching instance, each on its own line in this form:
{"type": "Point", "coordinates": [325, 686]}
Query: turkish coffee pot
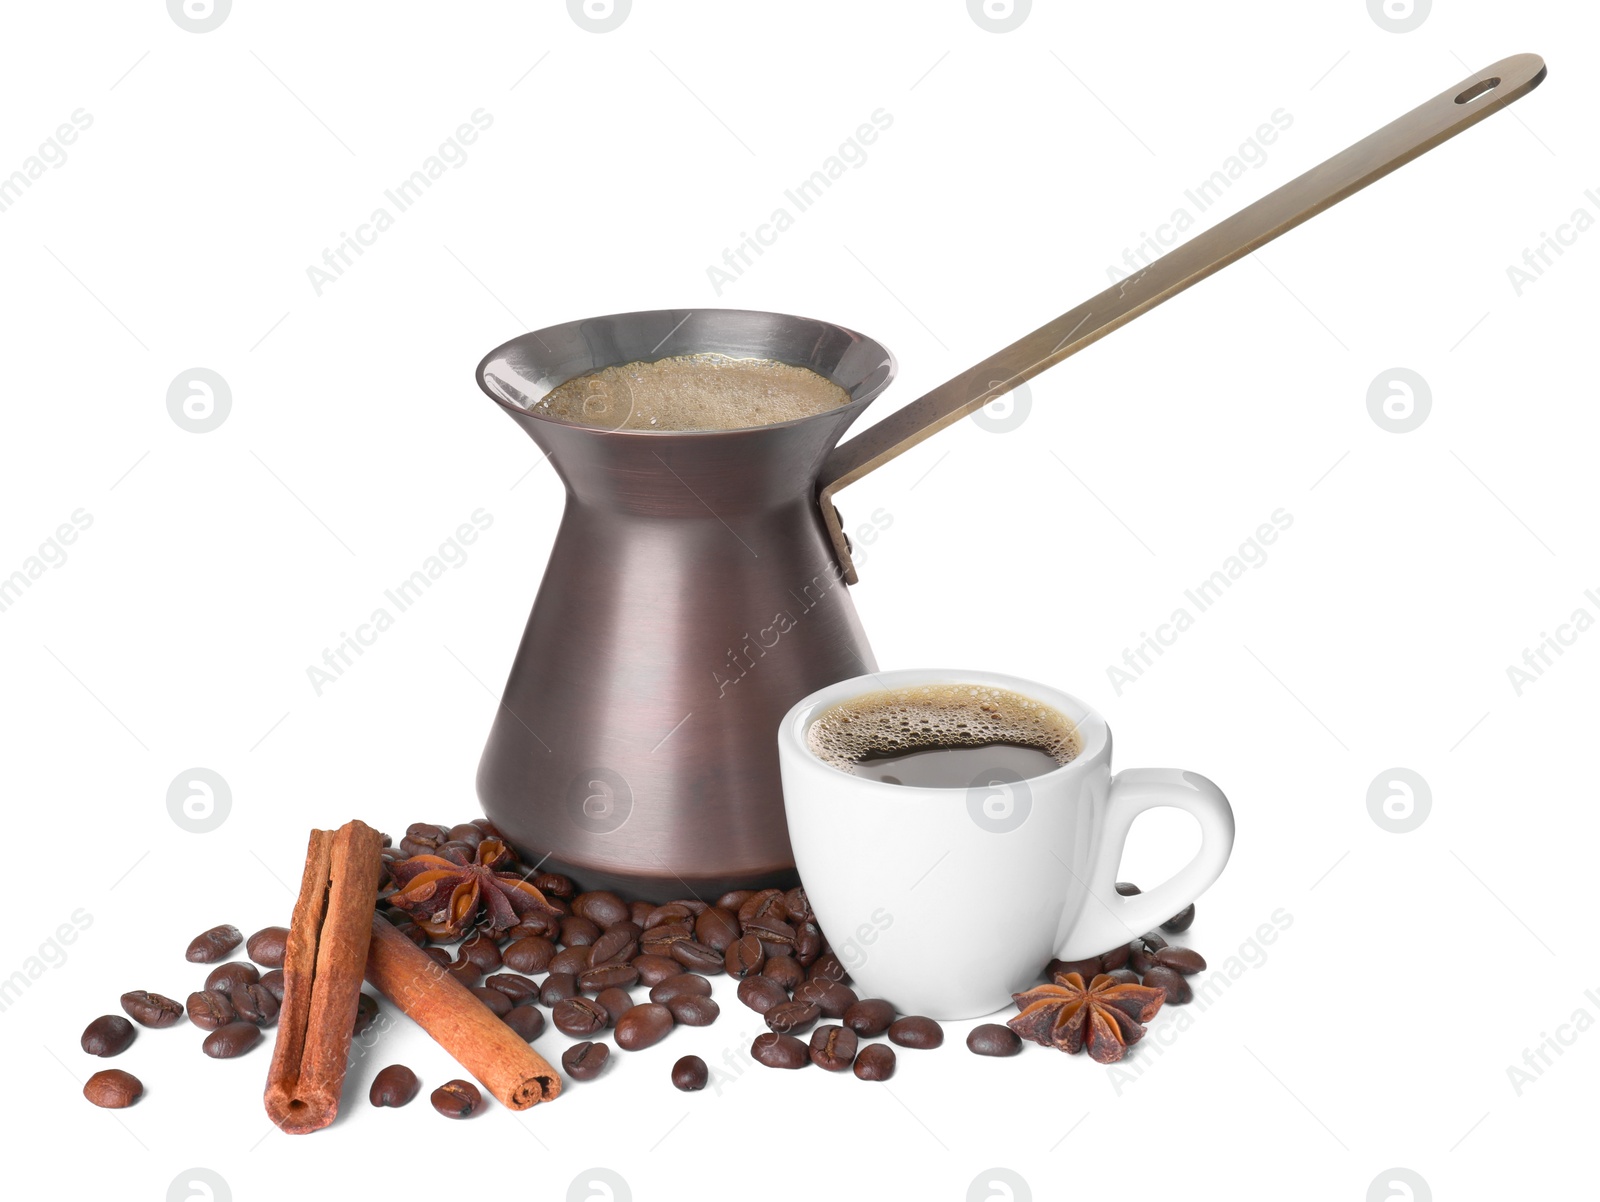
{"type": "Point", "coordinates": [698, 585]}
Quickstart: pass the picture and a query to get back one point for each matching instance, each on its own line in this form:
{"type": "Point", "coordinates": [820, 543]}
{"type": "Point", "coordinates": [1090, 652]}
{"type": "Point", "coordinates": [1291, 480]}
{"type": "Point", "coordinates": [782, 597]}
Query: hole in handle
{"type": "Point", "coordinates": [1482, 88]}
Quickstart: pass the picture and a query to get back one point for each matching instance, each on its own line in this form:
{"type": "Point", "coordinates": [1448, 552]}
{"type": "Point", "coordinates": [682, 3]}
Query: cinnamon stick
{"type": "Point", "coordinates": [324, 961]}
{"type": "Point", "coordinates": [443, 1007]}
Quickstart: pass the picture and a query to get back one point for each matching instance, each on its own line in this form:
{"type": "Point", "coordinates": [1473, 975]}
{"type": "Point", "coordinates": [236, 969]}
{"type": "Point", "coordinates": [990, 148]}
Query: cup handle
{"type": "Point", "coordinates": [1108, 919]}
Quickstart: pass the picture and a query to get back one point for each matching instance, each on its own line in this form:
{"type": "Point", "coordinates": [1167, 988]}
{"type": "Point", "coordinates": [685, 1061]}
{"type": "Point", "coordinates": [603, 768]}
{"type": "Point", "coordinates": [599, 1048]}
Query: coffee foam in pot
{"type": "Point", "coordinates": [692, 392]}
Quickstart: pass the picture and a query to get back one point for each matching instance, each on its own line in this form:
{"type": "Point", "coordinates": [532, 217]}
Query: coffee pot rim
{"type": "Point", "coordinates": [863, 391]}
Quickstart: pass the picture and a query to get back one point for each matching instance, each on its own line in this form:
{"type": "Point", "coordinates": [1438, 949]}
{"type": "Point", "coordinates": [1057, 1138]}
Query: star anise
{"type": "Point", "coordinates": [445, 895]}
{"type": "Point", "coordinates": [1104, 1016]}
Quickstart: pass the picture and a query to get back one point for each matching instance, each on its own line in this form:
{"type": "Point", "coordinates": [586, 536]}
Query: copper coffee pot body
{"type": "Point", "coordinates": [692, 595]}
{"type": "Point", "coordinates": [697, 585]}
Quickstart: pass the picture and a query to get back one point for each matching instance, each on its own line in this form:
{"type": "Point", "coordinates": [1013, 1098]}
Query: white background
{"type": "Point", "coordinates": [177, 234]}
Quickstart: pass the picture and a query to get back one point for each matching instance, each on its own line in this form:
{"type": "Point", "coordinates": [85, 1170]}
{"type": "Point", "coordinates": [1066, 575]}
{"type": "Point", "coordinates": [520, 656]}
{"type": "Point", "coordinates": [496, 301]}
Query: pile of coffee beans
{"type": "Point", "coordinates": [598, 950]}
{"type": "Point", "coordinates": [594, 953]}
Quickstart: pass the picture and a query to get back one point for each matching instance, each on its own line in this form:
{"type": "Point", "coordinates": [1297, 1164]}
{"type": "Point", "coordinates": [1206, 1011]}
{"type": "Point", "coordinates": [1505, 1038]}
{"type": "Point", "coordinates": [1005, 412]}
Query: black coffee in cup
{"type": "Point", "coordinates": [943, 736]}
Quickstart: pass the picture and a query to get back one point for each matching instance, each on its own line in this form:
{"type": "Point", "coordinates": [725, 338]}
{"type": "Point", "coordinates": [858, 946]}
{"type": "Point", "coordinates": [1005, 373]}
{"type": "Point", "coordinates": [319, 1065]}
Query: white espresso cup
{"type": "Point", "coordinates": [947, 900]}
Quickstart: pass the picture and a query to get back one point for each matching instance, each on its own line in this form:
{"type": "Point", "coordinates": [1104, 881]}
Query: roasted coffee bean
{"type": "Point", "coordinates": [1116, 958]}
{"type": "Point", "coordinates": [643, 1026]}
{"type": "Point", "coordinates": [113, 1089]}
{"type": "Point", "coordinates": [494, 999]}
{"type": "Point", "coordinates": [228, 977]}
{"type": "Point", "coordinates": [614, 976]}
{"type": "Point", "coordinates": [1181, 959]}
{"type": "Point", "coordinates": [457, 852]}
{"type": "Point", "coordinates": [1128, 889]}
{"type": "Point", "coordinates": [767, 904]}
{"type": "Point", "coordinates": [1142, 952]}
{"type": "Point", "coordinates": [254, 1004]}
{"type": "Point", "coordinates": [670, 912]}
{"type": "Point", "coordinates": [717, 928]}
{"type": "Point", "coordinates": [427, 835]}
{"type": "Point", "coordinates": [553, 884]}
{"type": "Point", "coordinates": [601, 907]}
{"type": "Point", "coordinates": [439, 956]}
{"type": "Point", "coordinates": [658, 940]}
{"type": "Point", "coordinates": [694, 1011]}
{"type": "Point", "coordinates": [868, 1017]}
{"type": "Point", "coordinates": [797, 904]}
{"type": "Point", "coordinates": [578, 932]}
{"type": "Point", "coordinates": [1180, 922]}
{"type": "Point", "coordinates": [1124, 976]}
{"type": "Point", "coordinates": [530, 954]}
{"type": "Point", "coordinates": [393, 1086]}
{"type": "Point", "coordinates": [151, 1009]}
{"type": "Point", "coordinates": [210, 946]}
{"type": "Point", "coordinates": [466, 833]}
{"type": "Point", "coordinates": [540, 925]}
{"type": "Point", "coordinates": [793, 1018]}
{"type": "Point", "coordinates": [108, 1035]}
{"type": "Point", "coordinates": [616, 945]}
{"type": "Point", "coordinates": [655, 969]}
{"type": "Point", "coordinates": [733, 899]}
{"type": "Point", "coordinates": [777, 936]}
{"type": "Point", "coordinates": [579, 1016]}
{"type": "Point", "coordinates": [489, 829]}
{"type": "Point", "coordinates": [744, 956]}
{"type": "Point", "coordinates": [694, 905]}
{"type": "Point", "coordinates": [484, 952]}
{"type": "Point", "coordinates": [684, 984]}
{"type": "Point", "coordinates": [456, 1099]}
{"type": "Point", "coordinates": [697, 956]}
{"type": "Point", "coordinates": [519, 989]}
{"type": "Point", "coordinates": [833, 1048]}
{"type": "Point", "coordinates": [585, 1061]}
{"type": "Point", "coordinates": [785, 970]}
{"type": "Point", "coordinates": [209, 1009]}
{"type": "Point", "coordinates": [570, 959]}
{"type": "Point", "coordinates": [807, 945]}
{"type": "Point", "coordinates": [762, 993]}
{"type": "Point", "coordinates": [266, 947]}
{"type": "Point", "coordinates": [689, 1074]}
{"type": "Point", "coordinates": [273, 983]}
{"type": "Point", "coordinates": [826, 967]}
{"type": "Point", "coordinates": [1171, 983]}
{"type": "Point", "coordinates": [875, 1063]}
{"type": "Point", "coordinates": [615, 1001]}
{"type": "Point", "coordinates": [776, 1050]}
{"type": "Point", "coordinates": [366, 1014]}
{"type": "Point", "coordinates": [465, 971]}
{"type": "Point", "coordinates": [993, 1039]}
{"type": "Point", "coordinates": [832, 998]}
{"type": "Point", "coordinates": [916, 1032]}
{"type": "Point", "coordinates": [526, 1020]}
{"type": "Point", "coordinates": [230, 1040]}
{"type": "Point", "coordinates": [557, 987]}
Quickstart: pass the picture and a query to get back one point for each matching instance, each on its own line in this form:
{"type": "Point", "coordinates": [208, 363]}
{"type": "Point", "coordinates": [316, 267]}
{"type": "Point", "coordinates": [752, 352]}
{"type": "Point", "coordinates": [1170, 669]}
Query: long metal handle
{"type": "Point", "coordinates": [1396, 144]}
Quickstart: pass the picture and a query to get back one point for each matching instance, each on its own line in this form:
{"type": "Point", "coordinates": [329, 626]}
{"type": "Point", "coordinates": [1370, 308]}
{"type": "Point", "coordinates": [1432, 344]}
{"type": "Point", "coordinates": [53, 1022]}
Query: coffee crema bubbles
{"type": "Point", "coordinates": [931, 735]}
